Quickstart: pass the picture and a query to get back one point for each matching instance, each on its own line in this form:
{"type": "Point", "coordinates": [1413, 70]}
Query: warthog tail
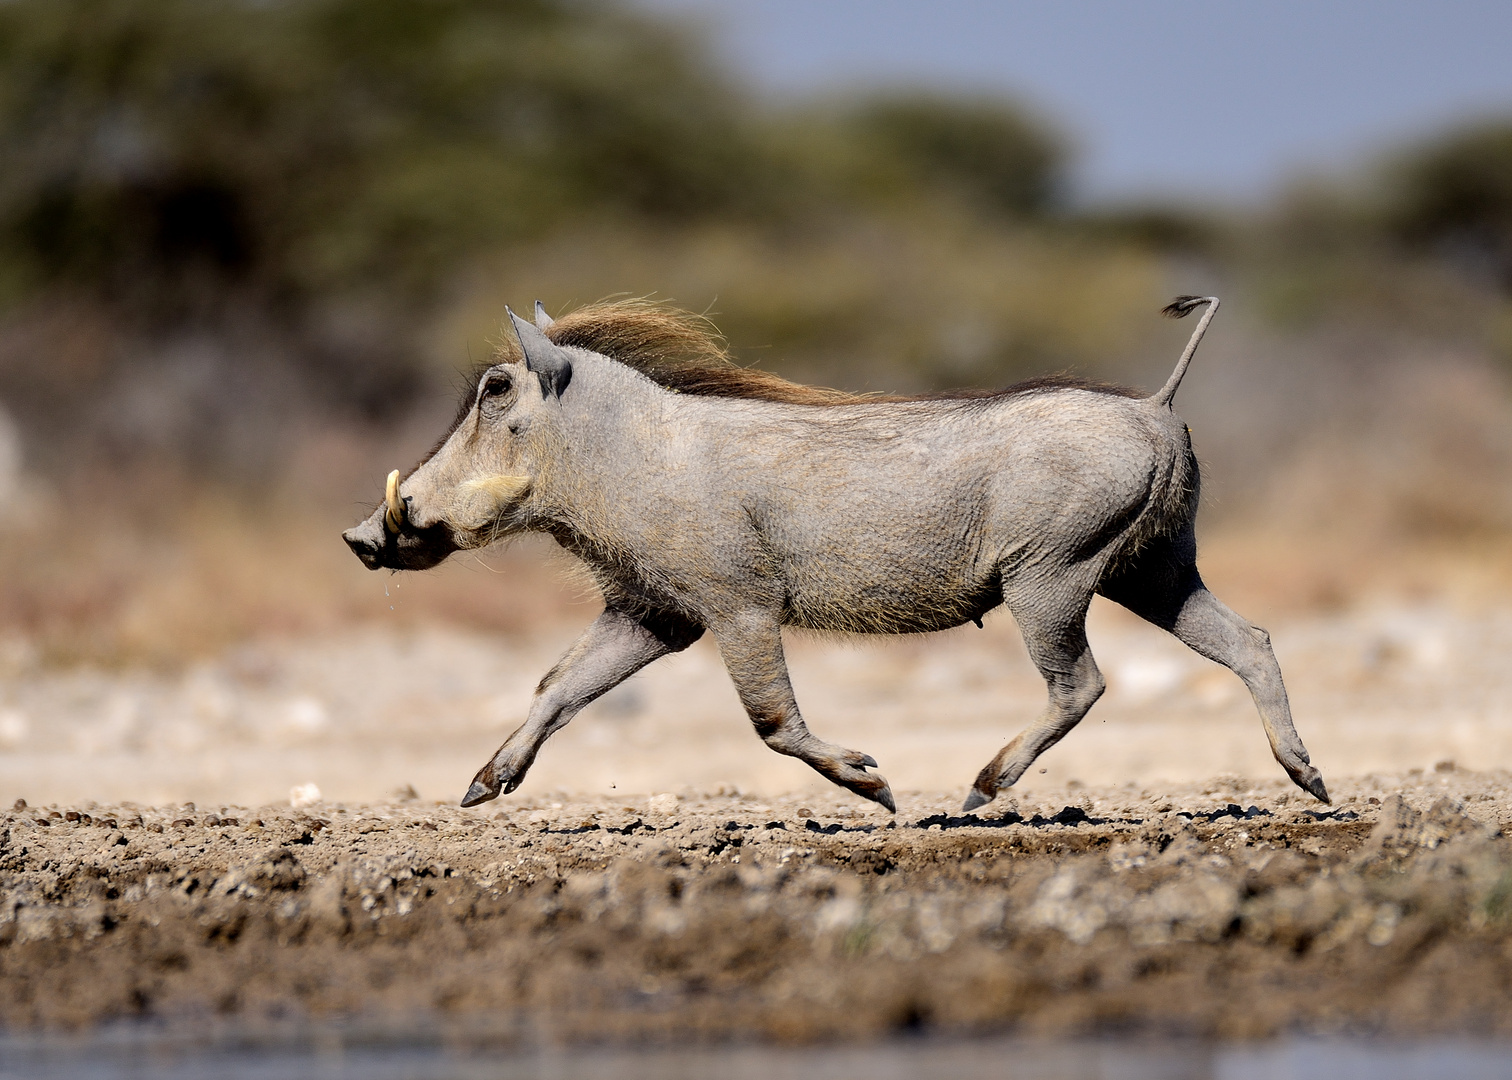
{"type": "Point", "coordinates": [1179, 308]}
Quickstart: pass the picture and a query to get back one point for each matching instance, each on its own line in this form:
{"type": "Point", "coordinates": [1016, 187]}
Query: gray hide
{"type": "Point", "coordinates": [742, 516]}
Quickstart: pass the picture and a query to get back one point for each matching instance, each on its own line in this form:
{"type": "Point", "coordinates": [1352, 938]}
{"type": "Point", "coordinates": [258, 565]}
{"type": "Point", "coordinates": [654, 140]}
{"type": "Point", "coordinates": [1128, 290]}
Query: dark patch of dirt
{"type": "Point", "coordinates": [719, 918]}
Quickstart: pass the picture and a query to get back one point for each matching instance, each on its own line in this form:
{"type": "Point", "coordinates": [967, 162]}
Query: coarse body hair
{"type": "Point", "coordinates": [859, 513]}
{"type": "Point", "coordinates": [867, 516]}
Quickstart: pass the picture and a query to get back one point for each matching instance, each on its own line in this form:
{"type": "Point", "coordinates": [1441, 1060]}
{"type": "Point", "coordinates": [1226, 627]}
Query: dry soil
{"type": "Point", "coordinates": [1226, 909]}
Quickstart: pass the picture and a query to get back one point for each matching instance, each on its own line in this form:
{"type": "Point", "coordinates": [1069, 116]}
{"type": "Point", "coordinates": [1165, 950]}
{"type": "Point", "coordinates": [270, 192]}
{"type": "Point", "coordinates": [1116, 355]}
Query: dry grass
{"type": "Point", "coordinates": [206, 568]}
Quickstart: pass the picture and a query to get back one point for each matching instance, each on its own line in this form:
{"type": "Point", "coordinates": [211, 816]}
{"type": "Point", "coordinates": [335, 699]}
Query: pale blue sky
{"type": "Point", "coordinates": [1222, 99]}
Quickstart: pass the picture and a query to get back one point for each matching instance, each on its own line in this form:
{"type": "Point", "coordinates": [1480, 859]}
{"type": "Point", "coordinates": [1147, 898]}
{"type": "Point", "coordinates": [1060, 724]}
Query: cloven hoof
{"type": "Point", "coordinates": [479, 793]}
{"type": "Point", "coordinates": [974, 800]}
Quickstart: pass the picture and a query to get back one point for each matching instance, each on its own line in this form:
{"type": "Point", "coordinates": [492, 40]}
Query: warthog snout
{"type": "Point", "coordinates": [396, 537]}
{"type": "Point", "coordinates": [367, 542]}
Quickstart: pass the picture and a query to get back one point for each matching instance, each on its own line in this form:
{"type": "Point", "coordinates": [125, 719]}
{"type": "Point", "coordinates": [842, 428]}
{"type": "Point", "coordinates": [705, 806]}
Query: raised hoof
{"type": "Point", "coordinates": [868, 786]}
{"type": "Point", "coordinates": [479, 793]}
{"type": "Point", "coordinates": [974, 800]}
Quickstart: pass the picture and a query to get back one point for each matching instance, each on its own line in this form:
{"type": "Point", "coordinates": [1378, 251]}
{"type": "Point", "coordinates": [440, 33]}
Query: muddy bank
{"type": "Point", "coordinates": [1207, 911]}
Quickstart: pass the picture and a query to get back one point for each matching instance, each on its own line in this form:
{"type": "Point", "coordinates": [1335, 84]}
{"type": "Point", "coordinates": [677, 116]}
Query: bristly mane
{"type": "Point", "coordinates": [686, 354]}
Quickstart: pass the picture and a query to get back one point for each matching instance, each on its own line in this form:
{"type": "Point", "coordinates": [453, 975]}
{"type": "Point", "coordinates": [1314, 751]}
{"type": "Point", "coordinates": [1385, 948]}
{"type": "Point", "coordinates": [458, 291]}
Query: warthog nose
{"type": "Point", "coordinates": [366, 543]}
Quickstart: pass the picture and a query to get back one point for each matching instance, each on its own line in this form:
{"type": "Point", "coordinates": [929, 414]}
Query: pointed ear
{"type": "Point", "coordinates": [542, 320]}
{"type": "Point", "coordinates": [549, 363]}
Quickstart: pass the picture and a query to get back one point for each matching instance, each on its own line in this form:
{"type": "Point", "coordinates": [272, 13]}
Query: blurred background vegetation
{"type": "Point", "coordinates": [246, 248]}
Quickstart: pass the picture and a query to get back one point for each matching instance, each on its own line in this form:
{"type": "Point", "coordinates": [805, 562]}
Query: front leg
{"type": "Point", "coordinates": [615, 647]}
{"type": "Point", "coordinates": [752, 649]}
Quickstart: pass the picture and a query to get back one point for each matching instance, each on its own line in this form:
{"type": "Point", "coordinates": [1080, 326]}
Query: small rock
{"type": "Point", "coordinates": [278, 870]}
{"type": "Point", "coordinates": [665, 803]}
{"type": "Point", "coordinates": [302, 795]}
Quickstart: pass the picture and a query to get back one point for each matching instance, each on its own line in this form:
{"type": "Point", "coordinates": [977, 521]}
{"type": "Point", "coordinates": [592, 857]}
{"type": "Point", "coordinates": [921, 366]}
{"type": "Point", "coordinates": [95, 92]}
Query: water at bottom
{"type": "Point", "coordinates": [134, 1056]}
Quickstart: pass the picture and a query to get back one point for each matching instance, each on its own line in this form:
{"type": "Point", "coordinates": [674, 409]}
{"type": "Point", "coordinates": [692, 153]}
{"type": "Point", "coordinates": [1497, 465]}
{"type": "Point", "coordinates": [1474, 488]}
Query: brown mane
{"type": "Point", "coordinates": [686, 354]}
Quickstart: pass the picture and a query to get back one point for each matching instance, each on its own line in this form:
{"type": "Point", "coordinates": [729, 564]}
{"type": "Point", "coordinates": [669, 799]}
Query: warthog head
{"type": "Point", "coordinates": [476, 486]}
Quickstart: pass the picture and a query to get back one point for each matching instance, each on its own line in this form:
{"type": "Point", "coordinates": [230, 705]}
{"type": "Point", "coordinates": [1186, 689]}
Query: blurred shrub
{"type": "Point", "coordinates": [316, 145]}
{"type": "Point", "coordinates": [1157, 227]}
{"type": "Point", "coordinates": [1453, 196]}
{"type": "Point", "coordinates": [987, 154]}
{"type": "Point", "coordinates": [869, 302]}
{"type": "Point", "coordinates": [1416, 244]}
{"type": "Point", "coordinates": [228, 211]}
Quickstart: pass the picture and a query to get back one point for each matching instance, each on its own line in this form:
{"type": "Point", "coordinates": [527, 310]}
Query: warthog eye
{"type": "Point", "coordinates": [498, 384]}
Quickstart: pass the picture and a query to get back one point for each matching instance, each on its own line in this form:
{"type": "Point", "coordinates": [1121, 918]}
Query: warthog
{"type": "Point", "coordinates": [702, 495]}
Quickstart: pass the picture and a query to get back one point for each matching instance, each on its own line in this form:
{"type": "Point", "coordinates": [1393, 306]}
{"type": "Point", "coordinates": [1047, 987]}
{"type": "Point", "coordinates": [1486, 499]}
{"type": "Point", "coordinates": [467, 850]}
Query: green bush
{"type": "Point", "coordinates": [1453, 196]}
{"type": "Point", "coordinates": [312, 146]}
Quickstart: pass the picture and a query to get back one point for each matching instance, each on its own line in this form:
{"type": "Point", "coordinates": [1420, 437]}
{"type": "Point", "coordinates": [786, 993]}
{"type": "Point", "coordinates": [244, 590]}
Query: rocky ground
{"type": "Point", "coordinates": [1226, 909]}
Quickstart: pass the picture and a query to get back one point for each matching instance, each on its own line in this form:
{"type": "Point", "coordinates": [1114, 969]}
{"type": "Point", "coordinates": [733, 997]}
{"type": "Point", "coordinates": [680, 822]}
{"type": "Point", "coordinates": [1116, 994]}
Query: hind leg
{"type": "Point", "coordinates": [1054, 627]}
{"type": "Point", "coordinates": [1163, 587]}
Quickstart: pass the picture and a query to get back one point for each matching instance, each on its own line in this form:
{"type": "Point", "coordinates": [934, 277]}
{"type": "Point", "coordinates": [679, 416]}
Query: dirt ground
{"type": "Point", "coordinates": [1229, 909]}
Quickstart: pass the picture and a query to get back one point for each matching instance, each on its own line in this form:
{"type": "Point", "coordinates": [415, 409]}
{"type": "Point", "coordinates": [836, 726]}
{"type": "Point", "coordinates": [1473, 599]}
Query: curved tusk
{"type": "Point", "coordinates": [393, 517]}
